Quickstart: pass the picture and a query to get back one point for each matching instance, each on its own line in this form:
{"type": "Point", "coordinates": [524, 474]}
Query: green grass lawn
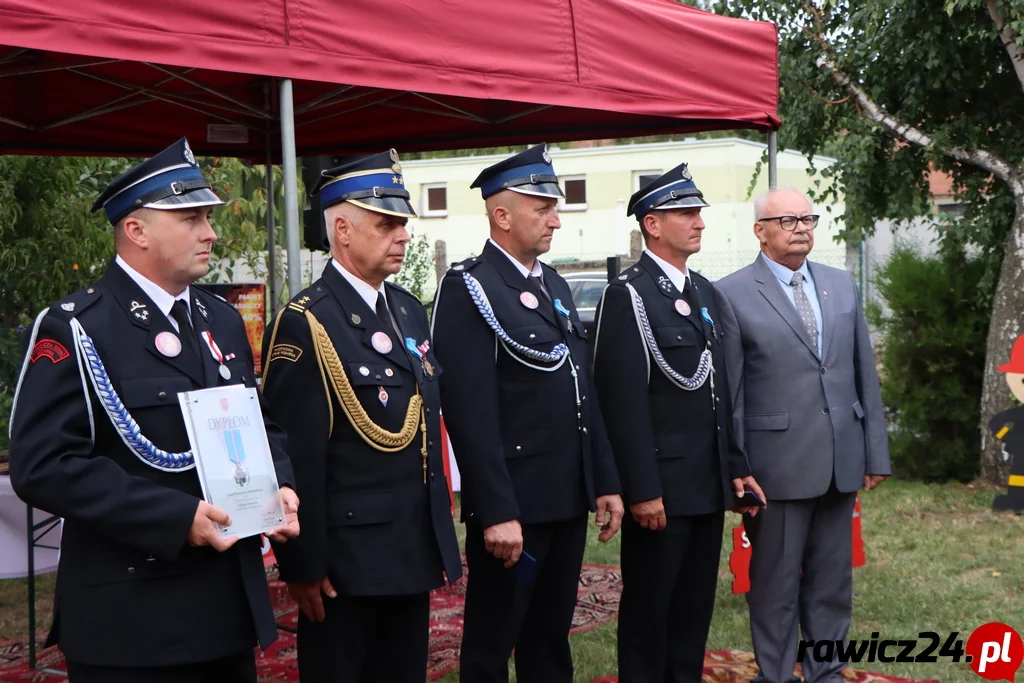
{"type": "Point", "coordinates": [937, 560]}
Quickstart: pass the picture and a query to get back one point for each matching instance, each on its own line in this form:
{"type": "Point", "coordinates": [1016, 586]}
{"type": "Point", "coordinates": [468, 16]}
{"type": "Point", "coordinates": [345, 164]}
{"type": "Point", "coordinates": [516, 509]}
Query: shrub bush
{"type": "Point", "coordinates": [934, 324]}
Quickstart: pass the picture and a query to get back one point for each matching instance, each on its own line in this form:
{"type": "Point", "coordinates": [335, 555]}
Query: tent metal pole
{"type": "Point", "coordinates": [291, 188]}
{"type": "Point", "coordinates": [271, 236]}
{"type": "Point", "coordinates": [773, 163]}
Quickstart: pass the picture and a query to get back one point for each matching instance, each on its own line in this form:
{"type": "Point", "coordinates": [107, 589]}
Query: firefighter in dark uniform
{"type": "Point", "coordinates": [147, 589]}
{"type": "Point", "coordinates": [351, 376]}
{"type": "Point", "coordinates": [1008, 427]}
{"type": "Point", "coordinates": [662, 386]}
{"type": "Point", "coordinates": [525, 430]}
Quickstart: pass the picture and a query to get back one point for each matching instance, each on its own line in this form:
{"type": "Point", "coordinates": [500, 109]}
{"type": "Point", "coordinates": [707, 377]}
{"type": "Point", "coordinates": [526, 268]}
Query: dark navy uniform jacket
{"type": "Point", "coordinates": [668, 442]}
{"type": "Point", "coordinates": [527, 446]}
{"type": "Point", "coordinates": [369, 522]}
{"type": "Point", "coordinates": [130, 591]}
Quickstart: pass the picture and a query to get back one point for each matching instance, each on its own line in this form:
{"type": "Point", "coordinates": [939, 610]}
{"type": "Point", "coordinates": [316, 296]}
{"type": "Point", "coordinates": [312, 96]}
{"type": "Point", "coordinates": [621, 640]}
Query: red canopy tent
{"type": "Point", "coordinates": [124, 78]}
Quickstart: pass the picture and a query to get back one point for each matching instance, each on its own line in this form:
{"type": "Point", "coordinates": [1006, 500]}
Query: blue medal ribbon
{"type": "Point", "coordinates": [233, 441]}
{"type": "Point", "coordinates": [560, 308]}
{"type": "Point", "coordinates": [410, 344]}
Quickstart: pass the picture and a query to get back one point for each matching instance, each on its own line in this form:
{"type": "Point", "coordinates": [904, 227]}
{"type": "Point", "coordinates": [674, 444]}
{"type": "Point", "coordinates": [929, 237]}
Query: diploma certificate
{"type": "Point", "coordinates": [232, 456]}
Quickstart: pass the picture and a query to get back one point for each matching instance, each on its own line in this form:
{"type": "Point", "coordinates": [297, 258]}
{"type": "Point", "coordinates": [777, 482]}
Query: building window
{"type": "Point", "coordinates": [575, 190]}
{"type": "Point", "coordinates": [952, 211]}
{"type": "Point", "coordinates": [641, 178]}
{"type": "Point", "coordinates": [435, 201]}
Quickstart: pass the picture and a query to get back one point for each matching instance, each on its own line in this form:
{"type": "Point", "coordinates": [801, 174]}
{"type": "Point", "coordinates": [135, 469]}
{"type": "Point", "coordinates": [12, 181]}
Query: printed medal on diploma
{"type": "Point", "coordinates": [232, 456]}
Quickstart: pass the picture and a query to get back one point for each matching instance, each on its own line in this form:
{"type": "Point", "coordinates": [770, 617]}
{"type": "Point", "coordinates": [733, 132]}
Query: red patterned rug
{"type": "Point", "coordinates": [736, 666]}
{"type": "Point", "coordinates": [599, 592]}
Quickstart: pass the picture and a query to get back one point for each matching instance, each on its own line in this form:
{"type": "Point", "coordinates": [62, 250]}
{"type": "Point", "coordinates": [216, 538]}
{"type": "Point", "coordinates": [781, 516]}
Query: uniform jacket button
{"type": "Point", "coordinates": [162, 396]}
{"type": "Point", "coordinates": [430, 444]}
{"type": "Point", "coordinates": [584, 430]}
{"type": "Point", "coordinates": [824, 411]}
{"type": "Point", "coordinates": [349, 514]}
{"type": "Point", "coordinates": [431, 476]}
{"type": "Point", "coordinates": [823, 371]}
{"type": "Point", "coordinates": [519, 449]}
{"type": "Point", "coordinates": [131, 570]}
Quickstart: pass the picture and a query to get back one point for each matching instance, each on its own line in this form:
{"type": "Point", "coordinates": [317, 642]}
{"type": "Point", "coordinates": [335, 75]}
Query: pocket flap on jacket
{"type": "Point", "coordinates": [374, 373]}
{"type": "Point", "coordinates": [366, 508]}
{"type": "Point", "coordinates": [680, 335]}
{"type": "Point", "coordinates": [858, 410]}
{"type": "Point", "coordinates": [771, 422]}
{"type": "Point", "coordinates": [145, 392]}
{"type": "Point", "coordinates": [532, 335]}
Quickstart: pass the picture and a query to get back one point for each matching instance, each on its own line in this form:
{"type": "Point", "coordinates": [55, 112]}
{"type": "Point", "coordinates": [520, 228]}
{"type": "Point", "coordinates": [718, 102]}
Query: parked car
{"type": "Point", "coordinates": [587, 288]}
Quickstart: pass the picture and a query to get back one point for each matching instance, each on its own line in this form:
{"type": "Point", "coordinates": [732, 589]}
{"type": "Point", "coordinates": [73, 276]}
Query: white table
{"type": "Point", "coordinates": [14, 539]}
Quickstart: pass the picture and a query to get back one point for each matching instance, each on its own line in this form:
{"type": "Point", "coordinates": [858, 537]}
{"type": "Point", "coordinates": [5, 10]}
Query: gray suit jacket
{"type": "Point", "coordinates": [802, 420]}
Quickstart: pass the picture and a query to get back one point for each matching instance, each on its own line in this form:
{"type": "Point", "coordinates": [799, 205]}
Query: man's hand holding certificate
{"type": "Point", "coordinates": [236, 469]}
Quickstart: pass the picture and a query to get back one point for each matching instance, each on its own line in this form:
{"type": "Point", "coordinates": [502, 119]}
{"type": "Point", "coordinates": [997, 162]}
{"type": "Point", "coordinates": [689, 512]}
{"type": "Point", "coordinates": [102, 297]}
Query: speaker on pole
{"type": "Point", "coordinates": [314, 231]}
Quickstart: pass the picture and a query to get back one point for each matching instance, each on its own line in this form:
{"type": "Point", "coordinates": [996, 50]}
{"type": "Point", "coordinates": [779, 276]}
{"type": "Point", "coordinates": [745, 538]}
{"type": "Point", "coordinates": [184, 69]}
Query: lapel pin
{"type": "Point", "coordinates": [140, 311]}
{"type": "Point", "coordinates": [356, 319]}
{"type": "Point", "coordinates": [529, 299]}
{"type": "Point", "coordinates": [70, 306]}
{"type": "Point", "coordinates": [402, 309]}
{"type": "Point", "coordinates": [389, 372]}
{"type": "Point", "coordinates": [168, 344]}
{"type": "Point", "coordinates": [382, 396]}
{"type": "Point", "coordinates": [202, 311]}
{"type": "Point", "coordinates": [682, 308]}
{"type": "Point", "coordinates": [364, 371]}
{"type": "Point", "coordinates": [381, 342]}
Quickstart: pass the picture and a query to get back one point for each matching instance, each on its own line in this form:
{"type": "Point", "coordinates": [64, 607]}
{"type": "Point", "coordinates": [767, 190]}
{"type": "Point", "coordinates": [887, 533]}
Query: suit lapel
{"type": "Point", "coordinates": [772, 291]}
{"type": "Point", "coordinates": [703, 301]}
{"type": "Point", "coordinates": [823, 287]}
{"type": "Point", "coordinates": [514, 279]}
{"type": "Point", "coordinates": [405, 330]}
{"type": "Point", "coordinates": [145, 315]}
{"type": "Point", "coordinates": [360, 315]}
{"type": "Point", "coordinates": [663, 283]}
{"type": "Point", "coordinates": [202, 324]}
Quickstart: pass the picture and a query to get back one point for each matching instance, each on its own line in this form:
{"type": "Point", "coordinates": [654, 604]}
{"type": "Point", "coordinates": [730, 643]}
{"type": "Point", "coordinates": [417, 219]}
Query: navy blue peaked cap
{"type": "Point", "coordinates": [528, 172]}
{"type": "Point", "coordinates": [673, 190]}
{"type": "Point", "coordinates": [170, 180]}
{"type": "Point", "coordinates": [374, 183]}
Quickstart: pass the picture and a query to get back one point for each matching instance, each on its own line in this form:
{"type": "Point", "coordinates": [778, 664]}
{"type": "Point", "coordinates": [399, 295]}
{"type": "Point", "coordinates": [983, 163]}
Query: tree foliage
{"type": "Point", "coordinates": [50, 245]}
{"type": "Point", "coordinates": [932, 360]}
{"type": "Point", "coordinates": [418, 267]}
{"type": "Point", "coordinates": [896, 90]}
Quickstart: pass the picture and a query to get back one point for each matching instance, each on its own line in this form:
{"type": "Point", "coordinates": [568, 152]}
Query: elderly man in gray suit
{"type": "Point", "coordinates": [808, 411]}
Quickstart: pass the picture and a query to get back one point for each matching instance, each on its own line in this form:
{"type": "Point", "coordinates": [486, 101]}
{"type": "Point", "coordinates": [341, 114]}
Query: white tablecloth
{"type": "Point", "coordinates": [14, 539]}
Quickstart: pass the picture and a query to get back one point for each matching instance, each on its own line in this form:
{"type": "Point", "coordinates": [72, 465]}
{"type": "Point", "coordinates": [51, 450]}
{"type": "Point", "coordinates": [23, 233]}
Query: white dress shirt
{"type": "Point", "coordinates": [678, 277]}
{"type": "Point", "coordinates": [163, 299]}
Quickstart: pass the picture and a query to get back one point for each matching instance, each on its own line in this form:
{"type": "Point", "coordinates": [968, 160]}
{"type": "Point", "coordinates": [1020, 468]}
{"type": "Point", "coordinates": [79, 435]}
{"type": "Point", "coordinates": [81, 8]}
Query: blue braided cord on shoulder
{"type": "Point", "coordinates": [476, 293]}
{"type": "Point", "coordinates": [704, 366]}
{"type": "Point", "coordinates": [124, 423]}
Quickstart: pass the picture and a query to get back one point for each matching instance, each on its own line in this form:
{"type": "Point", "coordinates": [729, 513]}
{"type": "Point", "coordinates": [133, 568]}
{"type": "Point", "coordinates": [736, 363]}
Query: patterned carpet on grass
{"type": "Point", "coordinates": [599, 592]}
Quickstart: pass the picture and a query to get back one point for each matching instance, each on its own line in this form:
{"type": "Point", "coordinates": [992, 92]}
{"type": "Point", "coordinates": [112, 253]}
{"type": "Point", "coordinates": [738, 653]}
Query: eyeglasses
{"type": "Point", "coordinates": [789, 222]}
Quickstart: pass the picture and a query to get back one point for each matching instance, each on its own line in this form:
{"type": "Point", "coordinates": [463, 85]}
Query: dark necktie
{"type": "Point", "coordinates": [537, 287]}
{"type": "Point", "coordinates": [179, 311]}
{"type": "Point", "coordinates": [385, 318]}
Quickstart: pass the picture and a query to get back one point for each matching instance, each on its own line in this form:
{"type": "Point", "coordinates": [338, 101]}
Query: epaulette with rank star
{"type": "Point", "coordinates": [467, 264]}
{"type": "Point", "coordinates": [307, 298]}
{"type": "Point", "coordinates": [627, 275]}
{"type": "Point", "coordinates": [73, 304]}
